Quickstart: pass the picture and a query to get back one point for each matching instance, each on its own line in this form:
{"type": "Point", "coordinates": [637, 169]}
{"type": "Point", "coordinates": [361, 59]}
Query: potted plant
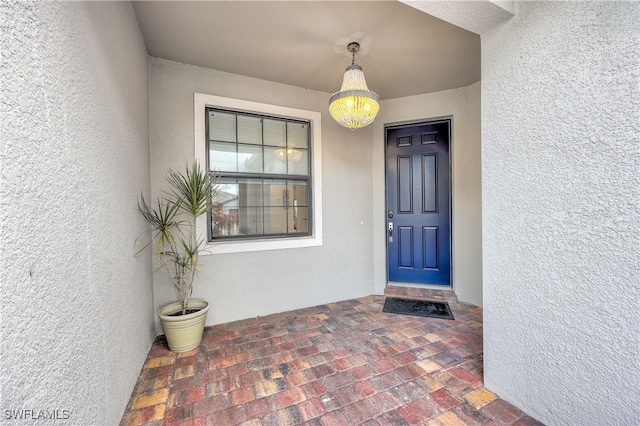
{"type": "Point", "coordinates": [172, 225]}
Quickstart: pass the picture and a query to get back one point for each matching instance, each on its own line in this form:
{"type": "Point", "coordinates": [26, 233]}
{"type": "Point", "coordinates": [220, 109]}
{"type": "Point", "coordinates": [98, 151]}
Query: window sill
{"type": "Point", "coordinates": [223, 247]}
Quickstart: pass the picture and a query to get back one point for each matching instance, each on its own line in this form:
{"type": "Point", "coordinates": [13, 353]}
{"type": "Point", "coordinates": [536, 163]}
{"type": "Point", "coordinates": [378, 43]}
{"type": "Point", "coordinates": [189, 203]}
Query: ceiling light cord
{"type": "Point", "coordinates": [353, 47]}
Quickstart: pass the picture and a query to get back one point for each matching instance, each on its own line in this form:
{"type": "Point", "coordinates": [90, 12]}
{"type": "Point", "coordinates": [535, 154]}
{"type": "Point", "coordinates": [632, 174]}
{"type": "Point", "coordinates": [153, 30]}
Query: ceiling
{"type": "Point", "coordinates": [403, 51]}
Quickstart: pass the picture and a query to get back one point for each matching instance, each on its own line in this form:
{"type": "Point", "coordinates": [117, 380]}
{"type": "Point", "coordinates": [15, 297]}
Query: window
{"type": "Point", "coordinates": [263, 166]}
{"type": "Point", "coordinates": [288, 189]}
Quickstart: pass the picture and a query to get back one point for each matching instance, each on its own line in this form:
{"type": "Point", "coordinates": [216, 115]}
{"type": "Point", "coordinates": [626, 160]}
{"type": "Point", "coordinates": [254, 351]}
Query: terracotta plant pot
{"type": "Point", "coordinates": [184, 332]}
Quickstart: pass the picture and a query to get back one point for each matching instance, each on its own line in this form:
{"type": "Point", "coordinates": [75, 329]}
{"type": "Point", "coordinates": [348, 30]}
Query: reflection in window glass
{"type": "Point", "coordinates": [275, 160]}
{"type": "Point", "coordinates": [245, 207]}
{"type": "Point", "coordinates": [249, 158]}
{"type": "Point", "coordinates": [298, 163]}
{"type": "Point", "coordinates": [299, 193]}
{"type": "Point", "coordinates": [263, 190]}
{"type": "Point", "coordinates": [250, 221]}
{"type": "Point", "coordinates": [298, 219]}
{"type": "Point", "coordinates": [263, 167]}
{"type": "Point", "coordinates": [223, 157]}
{"type": "Point", "coordinates": [274, 193]}
{"type": "Point", "coordinates": [275, 220]}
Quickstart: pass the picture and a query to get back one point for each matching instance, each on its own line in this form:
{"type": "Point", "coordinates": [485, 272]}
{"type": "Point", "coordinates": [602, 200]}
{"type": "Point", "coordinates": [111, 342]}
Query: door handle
{"type": "Point", "coordinates": [390, 226]}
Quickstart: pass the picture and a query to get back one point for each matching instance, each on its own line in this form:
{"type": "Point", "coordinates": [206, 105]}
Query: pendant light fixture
{"type": "Point", "coordinates": [354, 106]}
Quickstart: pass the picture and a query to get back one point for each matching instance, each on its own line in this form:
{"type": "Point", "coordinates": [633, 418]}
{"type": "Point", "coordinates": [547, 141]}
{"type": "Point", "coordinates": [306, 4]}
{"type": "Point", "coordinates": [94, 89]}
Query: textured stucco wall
{"type": "Point", "coordinates": [245, 285]}
{"type": "Point", "coordinates": [76, 306]}
{"type": "Point", "coordinates": [463, 106]}
{"type": "Point", "coordinates": [561, 211]}
{"type": "Point", "coordinates": [476, 16]}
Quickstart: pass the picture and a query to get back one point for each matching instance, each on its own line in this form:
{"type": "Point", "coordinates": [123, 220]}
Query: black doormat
{"type": "Point", "coordinates": [422, 308]}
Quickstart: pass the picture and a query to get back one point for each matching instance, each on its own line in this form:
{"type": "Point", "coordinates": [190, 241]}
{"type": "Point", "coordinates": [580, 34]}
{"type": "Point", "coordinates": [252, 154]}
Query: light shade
{"type": "Point", "coordinates": [354, 106]}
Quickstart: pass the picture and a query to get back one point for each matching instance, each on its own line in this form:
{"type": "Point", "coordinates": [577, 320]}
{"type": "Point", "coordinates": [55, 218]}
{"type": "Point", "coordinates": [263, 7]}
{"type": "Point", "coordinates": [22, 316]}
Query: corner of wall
{"type": "Point", "coordinates": [561, 211]}
{"type": "Point", "coordinates": [76, 303]}
{"type": "Point", "coordinates": [475, 16]}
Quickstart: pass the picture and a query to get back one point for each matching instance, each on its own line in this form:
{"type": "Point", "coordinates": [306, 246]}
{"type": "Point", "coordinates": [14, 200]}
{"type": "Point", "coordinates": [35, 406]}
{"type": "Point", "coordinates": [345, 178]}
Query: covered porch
{"type": "Point", "coordinates": [343, 363]}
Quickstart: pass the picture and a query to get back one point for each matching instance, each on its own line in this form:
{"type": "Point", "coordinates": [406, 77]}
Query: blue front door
{"type": "Point", "coordinates": [419, 203]}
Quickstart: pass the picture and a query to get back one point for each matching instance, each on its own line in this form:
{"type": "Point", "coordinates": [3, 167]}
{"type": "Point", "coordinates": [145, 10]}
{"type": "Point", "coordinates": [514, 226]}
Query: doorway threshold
{"type": "Point", "coordinates": [420, 291]}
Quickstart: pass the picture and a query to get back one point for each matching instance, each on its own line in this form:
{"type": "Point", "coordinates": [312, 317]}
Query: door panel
{"type": "Point", "coordinates": [419, 203]}
{"type": "Point", "coordinates": [430, 247]}
{"type": "Point", "coordinates": [405, 246]}
{"type": "Point", "coordinates": [405, 185]}
{"type": "Point", "coordinates": [429, 184]}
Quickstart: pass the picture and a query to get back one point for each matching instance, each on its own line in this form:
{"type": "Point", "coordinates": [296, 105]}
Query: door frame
{"type": "Point", "coordinates": [410, 123]}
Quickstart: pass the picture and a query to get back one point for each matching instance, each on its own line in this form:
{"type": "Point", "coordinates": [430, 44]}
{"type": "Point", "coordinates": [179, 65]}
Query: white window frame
{"type": "Point", "coordinates": [200, 102]}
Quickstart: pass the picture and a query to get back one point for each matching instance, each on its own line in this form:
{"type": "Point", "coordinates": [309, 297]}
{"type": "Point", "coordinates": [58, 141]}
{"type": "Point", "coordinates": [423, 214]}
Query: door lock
{"type": "Point", "coordinates": [390, 226]}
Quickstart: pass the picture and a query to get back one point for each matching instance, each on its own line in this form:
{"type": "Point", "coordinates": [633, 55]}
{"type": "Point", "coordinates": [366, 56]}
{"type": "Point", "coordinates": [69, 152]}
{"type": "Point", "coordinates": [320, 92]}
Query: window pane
{"type": "Point", "coordinates": [298, 219]}
{"type": "Point", "coordinates": [274, 132]}
{"type": "Point", "coordinates": [275, 194]}
{"type": "Point", "coordinates": [225, 193]}
{"type": "Point", "coordinates": [235, 193]}
{"type": "Point", "coordinates": [250, 221]}
{"type": "Point", "coordinates": [298, 135]}
{"type": "Point", "coordinates": [275, 220]}
{"type": "Point", "coordinates": [274, 160]}
{"type": "Point", "coordinates": [250, 192]}
{"type": "Point", "coordinates": [224, 208]}
{"type": "Point", "coordinates": [250, 158]}
{"type": "Point", "coordinates": [249, 129]}
{"type": "Point", "coordinates": [224, 222]}
{"type": "Point", "coordinates": [298, 194]}
{"type": "Point", "coordinates": [222, 126]}
{"type": "Point", "coordinates": [299, 166]}
{"type": "Point", "coordinates": [223, 157]}
{"type": "Point", "coordinates": [237, 208]}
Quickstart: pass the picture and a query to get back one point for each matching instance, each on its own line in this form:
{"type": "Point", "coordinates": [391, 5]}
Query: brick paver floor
{"type": "Point", "coordinates": [344, 363]}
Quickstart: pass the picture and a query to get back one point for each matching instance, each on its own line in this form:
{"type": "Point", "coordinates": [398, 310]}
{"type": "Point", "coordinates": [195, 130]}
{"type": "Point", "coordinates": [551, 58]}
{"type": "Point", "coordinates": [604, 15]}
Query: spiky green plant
{"type": "Point", "coordinates": [172, 225]}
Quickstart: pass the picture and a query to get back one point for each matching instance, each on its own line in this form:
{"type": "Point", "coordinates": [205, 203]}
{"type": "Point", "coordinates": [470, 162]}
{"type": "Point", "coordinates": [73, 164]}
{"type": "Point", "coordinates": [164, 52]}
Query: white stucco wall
{"type": "Point", "coordinates": [76, 306]}
{"type": "Point", "coordinates": [463, 106]}
{"type": "Point", "coordinates": [561, 211]}
{"type": "Point", "coordinates": [245, 285]}
{"type": "Point", "coordinates": [477, 16]}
